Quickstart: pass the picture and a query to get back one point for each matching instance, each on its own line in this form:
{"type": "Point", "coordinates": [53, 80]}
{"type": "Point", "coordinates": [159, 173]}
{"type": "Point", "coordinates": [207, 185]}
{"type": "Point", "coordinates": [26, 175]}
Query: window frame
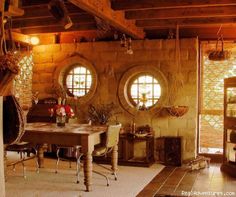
{"type": "Point", "coordinates": [124, 88]}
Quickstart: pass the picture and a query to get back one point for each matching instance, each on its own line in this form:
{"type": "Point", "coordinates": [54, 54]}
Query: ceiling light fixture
{"type": "Point", "coordinates": [126, 42]}
{"type": "Point", "coordinates": [58, 9]}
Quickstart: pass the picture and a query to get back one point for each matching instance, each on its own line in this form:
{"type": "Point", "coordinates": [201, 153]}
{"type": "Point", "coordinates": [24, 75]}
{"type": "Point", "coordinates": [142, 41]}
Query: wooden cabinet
{"type": "Point", "coordinates": [126, 151]}
{"type": "Point", "coordinates": [229, 153]}
{"type": "Point", "coordinates": [168, 150]}
{"type": "Point", "coordinates": [127, 148]}
{"type": "Point", "coordinates": [39, 112]}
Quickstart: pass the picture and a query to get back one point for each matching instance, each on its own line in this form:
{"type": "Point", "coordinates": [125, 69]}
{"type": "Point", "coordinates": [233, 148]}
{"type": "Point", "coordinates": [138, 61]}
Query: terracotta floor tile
{"type": "Point", "coordinates": [173, 181]}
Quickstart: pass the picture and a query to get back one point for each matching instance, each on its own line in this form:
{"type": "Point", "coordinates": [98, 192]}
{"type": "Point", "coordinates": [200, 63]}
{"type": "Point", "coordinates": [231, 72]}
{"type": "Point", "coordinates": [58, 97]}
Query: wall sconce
{"type": "Point", "coordinates": [58, 9]}
{"type": "Point", "coordinates": [34, 40]}
{"type": "Point", "coordinates": [126, 42]}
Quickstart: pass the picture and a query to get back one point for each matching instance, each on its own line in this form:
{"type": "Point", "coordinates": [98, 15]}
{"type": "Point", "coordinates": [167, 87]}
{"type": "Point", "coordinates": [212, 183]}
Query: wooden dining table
{"type": "Point", "coordinates": [87, 136]}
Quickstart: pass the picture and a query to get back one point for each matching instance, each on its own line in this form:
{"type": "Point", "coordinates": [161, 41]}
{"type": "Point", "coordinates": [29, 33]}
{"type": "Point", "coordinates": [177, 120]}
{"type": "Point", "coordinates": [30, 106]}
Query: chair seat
{"type": "Point", "coordinates": [99, 151]}
{"type": "Point", "coordinates": [21, 146]}
{"type": "Point", "coordinates": [62, 146]}
{"type": "Point", "coordinates": [69, 151]}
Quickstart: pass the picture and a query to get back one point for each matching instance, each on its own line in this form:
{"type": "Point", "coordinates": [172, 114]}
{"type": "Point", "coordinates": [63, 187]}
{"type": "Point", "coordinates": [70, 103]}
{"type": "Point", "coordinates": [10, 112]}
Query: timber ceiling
{"type": "Point", "coordinates": [140, 19]}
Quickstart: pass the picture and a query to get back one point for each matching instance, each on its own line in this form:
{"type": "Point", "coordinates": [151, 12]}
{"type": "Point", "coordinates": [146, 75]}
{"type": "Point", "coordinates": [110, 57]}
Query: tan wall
{"type": "Point", "coordinates": [160, 53]}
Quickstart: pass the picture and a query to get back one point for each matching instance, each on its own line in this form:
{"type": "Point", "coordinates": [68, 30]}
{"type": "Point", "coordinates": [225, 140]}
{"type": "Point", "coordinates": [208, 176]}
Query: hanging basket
{"type": "Point", "coordinates": [8, 70]}
{"type": "Point", "coordinates": [177, 111]}
{"type": "Point", "coordinates": [219, 55]}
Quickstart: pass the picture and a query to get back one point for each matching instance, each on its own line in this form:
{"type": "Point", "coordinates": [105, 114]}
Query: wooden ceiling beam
{"type": "Point", "coordinates": [102, 9]}
{"type": "Point", "coordinates": [19, 37]}
{"type": "Point", "coordinates": [224, 11]}
{"type": "Point", "coordinates": [167, 4]}
{"type": "Point", "coordinates": [50, 38]}
{"type": "Point", "coordinates": [201, 33]}
{"type": "Point", "coordinates": [171, 23]}
{"type": "Point", "coordinates": [56, 29]}
{"type": "Point", "coordinates": [34, 2]}
{"type": "Point", "coordinates": [50, 21]}
{"type": "Point", "coordinates": [41, 11]}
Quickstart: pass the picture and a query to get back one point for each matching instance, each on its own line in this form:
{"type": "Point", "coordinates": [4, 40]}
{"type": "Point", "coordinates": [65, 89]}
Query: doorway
{"type": "Point", "coordinates": [212, 74]}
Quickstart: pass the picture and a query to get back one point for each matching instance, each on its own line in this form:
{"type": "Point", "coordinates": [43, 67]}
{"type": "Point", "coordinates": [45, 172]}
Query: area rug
{"type": "Point", "coordinates": [131, 180]}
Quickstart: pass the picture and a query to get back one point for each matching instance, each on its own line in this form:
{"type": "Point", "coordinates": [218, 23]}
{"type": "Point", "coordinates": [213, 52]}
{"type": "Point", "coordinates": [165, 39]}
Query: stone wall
{"type": "Point", "coordinates": [106, 55]}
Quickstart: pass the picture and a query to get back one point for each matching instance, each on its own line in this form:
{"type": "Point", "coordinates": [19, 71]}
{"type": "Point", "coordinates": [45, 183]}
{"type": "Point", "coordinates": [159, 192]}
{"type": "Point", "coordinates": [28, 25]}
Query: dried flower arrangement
{"type": "Point", "coordinates": [59, 91]}
{"type": "Point", "coordinates": [9, 68]}
{"type": "Point", "coordinates": [101, 113]}
{"type": "Point", "coordinates": [8, 60]}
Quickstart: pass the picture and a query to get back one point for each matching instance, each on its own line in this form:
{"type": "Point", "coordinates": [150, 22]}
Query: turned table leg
{"type": "Point", "coordinates": [41, 155]}
{"type": "Point", "coordinates": [88, 168]}
{"type": "Point", "coordinates": [5, 162]}
{"type": "Point", "coordinates": [114, 161]}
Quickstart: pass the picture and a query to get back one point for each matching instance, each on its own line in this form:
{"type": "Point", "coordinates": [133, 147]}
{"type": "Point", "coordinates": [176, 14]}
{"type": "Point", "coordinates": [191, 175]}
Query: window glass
{"type": "Point", "coordinates": [79, 81]}
{"type": "Point", "coordinates": [145, 91]}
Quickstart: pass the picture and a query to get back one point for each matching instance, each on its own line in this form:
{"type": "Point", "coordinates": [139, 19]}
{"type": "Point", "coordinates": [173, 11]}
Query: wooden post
{"type": "Point", "coordinates": [2, 176]}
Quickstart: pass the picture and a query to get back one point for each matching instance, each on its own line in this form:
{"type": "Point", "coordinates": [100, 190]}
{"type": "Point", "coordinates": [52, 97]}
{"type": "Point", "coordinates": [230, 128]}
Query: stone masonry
{"type": "Point", "coordinates": [106, 55]}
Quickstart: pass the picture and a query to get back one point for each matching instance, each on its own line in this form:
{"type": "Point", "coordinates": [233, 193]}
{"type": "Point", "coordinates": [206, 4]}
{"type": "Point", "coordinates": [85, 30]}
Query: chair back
{"type": "Point", "coordinates": [112, 138]}
{"type": "Point", "coordinates": [13, 121]}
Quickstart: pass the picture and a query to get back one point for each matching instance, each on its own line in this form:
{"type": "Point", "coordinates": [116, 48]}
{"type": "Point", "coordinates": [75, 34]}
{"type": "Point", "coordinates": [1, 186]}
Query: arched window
{"type": "Point", "coordinates": [78, 80]}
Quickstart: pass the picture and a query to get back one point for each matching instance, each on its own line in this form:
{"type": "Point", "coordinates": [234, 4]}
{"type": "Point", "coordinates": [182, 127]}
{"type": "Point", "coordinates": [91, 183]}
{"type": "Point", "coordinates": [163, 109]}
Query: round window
{"type": "Point", "coordinates": [78, 77]}
{"type": "Point", "coordinates": [145, 91]}
{"type": "Point", "coordinates": [78, 80]}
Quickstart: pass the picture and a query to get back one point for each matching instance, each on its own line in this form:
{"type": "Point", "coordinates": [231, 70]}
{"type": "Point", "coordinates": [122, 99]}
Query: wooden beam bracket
{"type": "Point", "coordinates": [102, 9]}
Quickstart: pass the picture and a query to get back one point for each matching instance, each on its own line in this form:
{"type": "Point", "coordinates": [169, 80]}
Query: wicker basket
{"type": "Point", "coordinates": [177, 111]}
{"type": "Point", "coordinates": [219, 54]}
{"type": "Point", "coordinates": [9, 68]}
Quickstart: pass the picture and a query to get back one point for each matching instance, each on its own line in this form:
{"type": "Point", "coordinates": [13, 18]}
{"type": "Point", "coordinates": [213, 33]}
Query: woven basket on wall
{"type": "Point", "coordinates": [177, 111]}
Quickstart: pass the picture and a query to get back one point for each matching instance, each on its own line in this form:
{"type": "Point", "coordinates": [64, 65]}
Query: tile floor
{"type": "Point", "coordinates": [179, 181]}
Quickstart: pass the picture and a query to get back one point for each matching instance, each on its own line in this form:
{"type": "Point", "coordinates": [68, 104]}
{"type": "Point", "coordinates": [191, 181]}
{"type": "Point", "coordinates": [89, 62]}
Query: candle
{"type": "Point", "coordinates": [59, 101]}
{"type": "Point", "coordinates": [63, 101]}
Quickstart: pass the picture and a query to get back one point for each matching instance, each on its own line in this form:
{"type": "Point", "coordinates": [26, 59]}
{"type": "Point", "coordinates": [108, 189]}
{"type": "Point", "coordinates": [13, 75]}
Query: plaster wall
{"type": "Point", "coordinates": [107, 56]}
{"type": "Point", "coordinates": [2, 174]}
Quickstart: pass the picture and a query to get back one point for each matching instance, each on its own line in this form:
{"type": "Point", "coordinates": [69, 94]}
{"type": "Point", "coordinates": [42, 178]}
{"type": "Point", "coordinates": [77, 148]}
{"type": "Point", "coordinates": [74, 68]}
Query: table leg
{"type": "Point", "coordinates": [88, 168]}
{"type": "Point", "coordinates": [5, 162]}
{"type": "Point", "coordinates": [41, 156]}
{"type": "Point", "coordinates": [114, 161]}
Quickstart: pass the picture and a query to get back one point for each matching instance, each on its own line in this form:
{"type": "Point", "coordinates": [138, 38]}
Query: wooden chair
{"type": "Point", "coordinates": [27, 151]}
{"type": "Point", "coordinates": [112, 139]}
{"type": "Point", "coordinates": [13, 130]}
{"type": "Point", "coordinates": [74, 152]}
